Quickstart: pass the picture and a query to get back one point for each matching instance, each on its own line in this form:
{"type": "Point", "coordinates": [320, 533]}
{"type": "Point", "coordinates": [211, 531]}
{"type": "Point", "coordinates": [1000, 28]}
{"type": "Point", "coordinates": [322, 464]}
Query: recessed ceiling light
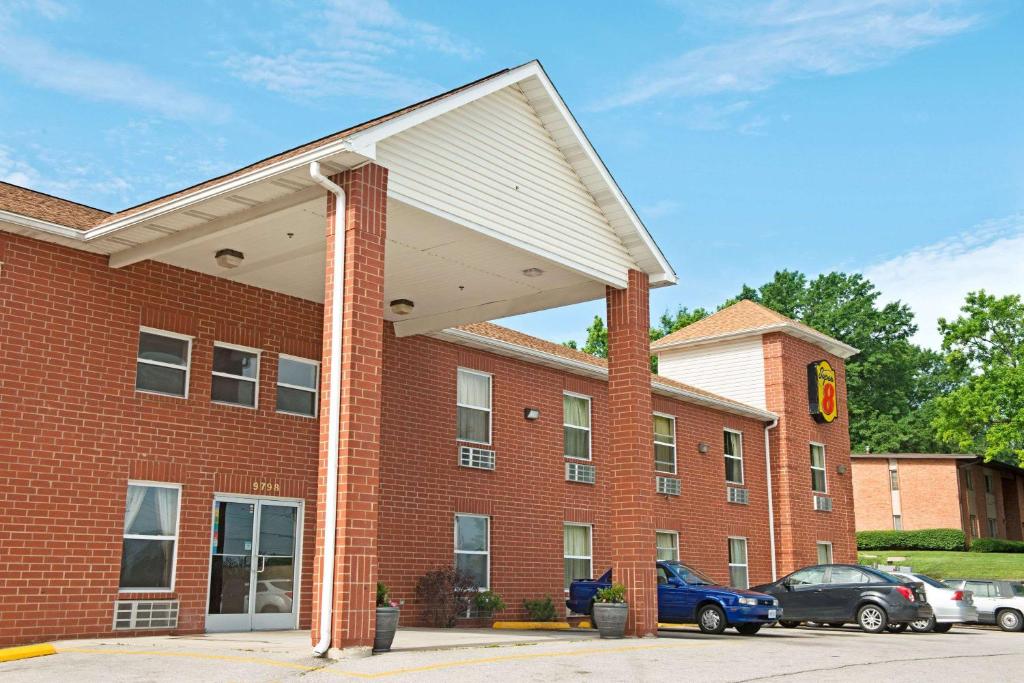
{"type": "Point", "coordinates": [533, 272]}
{"type": "Point", "coordinates": [402, 306]}
{"type": "Point", "coordinates": [229, 258]}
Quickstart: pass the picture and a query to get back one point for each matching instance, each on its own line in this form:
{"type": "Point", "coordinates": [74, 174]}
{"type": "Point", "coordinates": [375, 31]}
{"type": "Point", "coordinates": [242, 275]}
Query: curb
{"type": "Point", "coordinates": [12, 654]}
{"type": "Point", "coordinates": [532, 625]}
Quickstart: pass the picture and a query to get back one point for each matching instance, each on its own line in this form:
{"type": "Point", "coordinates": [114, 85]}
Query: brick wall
{"type": "Point", "coordinates": [929, 493]}
{"type": "Point", "coordinates": [872, 499]}
{"type": "Point", "coordinates": [799, 526]}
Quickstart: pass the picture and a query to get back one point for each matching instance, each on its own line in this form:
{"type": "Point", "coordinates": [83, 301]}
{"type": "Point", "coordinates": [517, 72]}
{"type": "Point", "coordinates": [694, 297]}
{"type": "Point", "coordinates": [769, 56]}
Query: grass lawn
{"type": "Point", "coordinates": [952, 565]}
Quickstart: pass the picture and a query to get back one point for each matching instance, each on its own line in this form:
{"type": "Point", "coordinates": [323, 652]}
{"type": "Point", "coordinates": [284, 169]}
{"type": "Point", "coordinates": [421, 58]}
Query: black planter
{"type": "Point", "coordinates": [610, 618]}
{"type": "Point", "coordinates": [387, 623]}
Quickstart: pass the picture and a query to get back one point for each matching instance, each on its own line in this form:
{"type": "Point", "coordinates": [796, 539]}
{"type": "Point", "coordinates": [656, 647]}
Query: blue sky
{"type": "Point", "coordinates": [877, 136]}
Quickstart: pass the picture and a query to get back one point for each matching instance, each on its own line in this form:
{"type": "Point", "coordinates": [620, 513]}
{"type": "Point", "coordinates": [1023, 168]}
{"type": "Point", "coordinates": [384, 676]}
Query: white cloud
{"type": "Point", "coordinates": [782, 40]}
{"type": "Point", "coordinates": [347, 48]}
{"type": "Point", "coordinates": [933, 279]}
{"type": "Point", "coordinates": [660, 209]}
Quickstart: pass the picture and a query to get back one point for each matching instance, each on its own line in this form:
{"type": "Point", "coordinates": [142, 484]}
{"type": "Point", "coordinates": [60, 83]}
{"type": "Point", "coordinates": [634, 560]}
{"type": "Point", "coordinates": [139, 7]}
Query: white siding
{"type": "Point", "coordinates": [731, 369]}
{"type": "Point", "coordinates": [492, 166]}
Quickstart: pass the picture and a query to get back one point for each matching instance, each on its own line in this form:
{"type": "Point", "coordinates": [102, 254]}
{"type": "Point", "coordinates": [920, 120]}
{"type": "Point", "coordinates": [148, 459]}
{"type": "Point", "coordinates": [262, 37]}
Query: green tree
{"type": "Point", "coordinates": [670, 322]}
{"type": "Point", "coordinates": [597, 338]}
{"type": "Point", "coordinates": [984, 350]}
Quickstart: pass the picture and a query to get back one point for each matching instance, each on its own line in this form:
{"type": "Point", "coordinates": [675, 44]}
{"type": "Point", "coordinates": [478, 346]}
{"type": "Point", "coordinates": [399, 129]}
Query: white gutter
{"type": "Point", "coordinates": [771, 496]}
{"type": "Point", "coordinates": [333, 412]}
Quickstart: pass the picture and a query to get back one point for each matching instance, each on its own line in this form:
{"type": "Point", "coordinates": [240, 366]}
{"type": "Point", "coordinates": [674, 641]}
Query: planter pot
{"type": "Point", "coordinates": [610, 618]}
{"type": "Point", "coordinates": [387, 622]}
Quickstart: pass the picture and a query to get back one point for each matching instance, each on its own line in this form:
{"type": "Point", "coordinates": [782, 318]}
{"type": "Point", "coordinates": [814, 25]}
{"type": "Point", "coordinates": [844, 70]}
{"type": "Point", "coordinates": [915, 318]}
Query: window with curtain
{"type": "Point", "coordinates": [576, 426]}
{"type": "Point", "coordinates": [473, 403]}
{"type": "Point", "coordinates": [576, 552]}
{"type": "Point", "coordinates": [162, 364]}
{"type": "Point", "coordinates": [235, 375]}
{"type": "Point", "coordinates": [150, 537]}
{"type": "Point", "coordinates": [668, 545]}
{"type": "Point", "coordinates": [665, 444]}
{"type": "Point", "coordinates": [733, 457]}
{"type": "Point", "coordinates": [818, 483]}
{"type": "Point", "coordinates": [473, 548]}
{"type": "Point", "coordinates": [298, 381]}
{"type": "Point", "coordinates": [738, 575]}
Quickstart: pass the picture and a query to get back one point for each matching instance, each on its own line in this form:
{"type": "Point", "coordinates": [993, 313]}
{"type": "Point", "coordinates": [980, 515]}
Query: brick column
{"type": "Point", "coordinates": [632, 452]}
{"type": "Point", "coordinates": [365, 224]}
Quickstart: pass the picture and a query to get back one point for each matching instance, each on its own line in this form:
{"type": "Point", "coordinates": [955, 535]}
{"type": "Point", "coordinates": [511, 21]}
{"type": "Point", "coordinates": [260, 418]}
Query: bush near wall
{"type": "Point", "coordinates": [918, 539]}
{"type": "Point", "coordinates": [996, 545]}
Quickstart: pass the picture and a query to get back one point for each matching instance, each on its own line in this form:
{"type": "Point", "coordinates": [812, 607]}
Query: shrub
{"type": "Point", "coordinates": [444, 594]}
{"type": "Point", "coordinates": [488, 602]}
{"type": "Point", "coordinates": [541, 610]}
{"type": "Point", "coordinates": [919, 539]}
{"type": "Point", "coordinates": [996, 545]}
{"type": "Point", "coordinates": [616, 593]}
{"type": "Point", "coordinates": [383, 595]}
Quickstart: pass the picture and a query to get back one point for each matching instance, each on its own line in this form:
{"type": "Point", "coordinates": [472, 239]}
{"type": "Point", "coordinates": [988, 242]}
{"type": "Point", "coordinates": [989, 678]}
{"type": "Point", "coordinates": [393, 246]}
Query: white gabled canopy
{"type": "Point", "coordinates": [485, 182]}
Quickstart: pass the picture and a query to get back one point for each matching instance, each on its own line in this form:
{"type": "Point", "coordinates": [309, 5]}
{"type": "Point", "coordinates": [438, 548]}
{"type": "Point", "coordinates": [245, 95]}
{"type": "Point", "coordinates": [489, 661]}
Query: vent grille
{"type": "Point", "coordinates": [823, 503]}
{"type": "Point", "coordinates": [476, 457]}
{"type": "Point", "coordinates": [145, 614]}
{"type": "Point", "coordinates": [584, 474]}
{"type": "Point", "coordinates": [737, 495]}
{"type": "Point", "coordinates": [668, 486]}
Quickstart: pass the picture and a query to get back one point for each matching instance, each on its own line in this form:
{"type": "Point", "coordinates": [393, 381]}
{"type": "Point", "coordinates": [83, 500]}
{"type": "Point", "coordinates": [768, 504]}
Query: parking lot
{"type": "Point", "coordinates": [805, 654]}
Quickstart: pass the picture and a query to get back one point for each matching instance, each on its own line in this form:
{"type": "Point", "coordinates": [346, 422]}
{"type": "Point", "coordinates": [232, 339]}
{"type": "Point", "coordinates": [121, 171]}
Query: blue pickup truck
{"type": "Point", "coordinates": [685, 596]}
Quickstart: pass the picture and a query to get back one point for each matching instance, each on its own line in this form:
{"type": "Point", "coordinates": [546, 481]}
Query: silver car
{"type": "Point", "coordinates": [998, 602]}
{"type": "Point", "coordinates": [951, 605]}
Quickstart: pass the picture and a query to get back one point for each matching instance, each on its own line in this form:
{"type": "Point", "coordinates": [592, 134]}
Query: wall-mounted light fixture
{"type": "Point", "coordinates": [229, 258]}
{"type": "Point", "coordinates": [402, 306]}
{"type": "Point", "coordinates": [531, 413]}
{"type": "Point", "coordinates": [703, 447]}
{"type": "Point", "coordinates": [841, 469]}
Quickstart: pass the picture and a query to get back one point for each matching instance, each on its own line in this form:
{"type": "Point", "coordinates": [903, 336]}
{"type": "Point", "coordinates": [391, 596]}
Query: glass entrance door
{"type": "Point", "coordinates": [253, 568]}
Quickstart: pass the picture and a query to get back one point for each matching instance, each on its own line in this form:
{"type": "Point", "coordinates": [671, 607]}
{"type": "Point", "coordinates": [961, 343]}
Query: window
{"type": "Point", "coordinates": [969, 480]}
{"type": "Point", "coordinates": [150, 537]}
{"type": "Point", "coordinates": [988, 483]}
{"type": "Point", "coordinates": [473, 548]}
{"type": "Point", "coordinates": [981, 589]}
{"type": "Point", "coordinates": [848, 575]}
{"type": "Point", "coordinates": [824, 552]}
{"type": "Point", "coordinates": [733, 457]}
{"type": "Point", "coordinates": [665, 444]}
{"type": "Point", "coordinates": [474, 406]}
{"type": "Point", "coordinates": [813, 576]}
{"type": "Point", "coordinates": [975, 529]}
{"type": "Point", "coordinates": [576, 552]}
{"type": "Point", "coordinates": [668, 545]}
{"type": "Point", "coordinates": [297, 382]}
{"type": "Point", "coordinates": [162, 366]}
{"type": "Point", "coordinates": [576, 426]}
{"type": "Point", "coordinates": [818, 483]}
{"type": "Point", "coordinates": [236, 372]}
{"type": "Point", "coordinates": [894, 478]}
{"type": "Point", "coordinates": [897, 522]}
{"type": "Point", "coordinates": [993, 528]}
{"type": "Point", "coordinates": [738, 563]}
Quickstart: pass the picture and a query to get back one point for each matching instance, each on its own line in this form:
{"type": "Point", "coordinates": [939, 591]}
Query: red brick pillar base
{"type": "Point", "coordinates": [365, 224]}
{"type": "Point", "coordinates": [632, 452]}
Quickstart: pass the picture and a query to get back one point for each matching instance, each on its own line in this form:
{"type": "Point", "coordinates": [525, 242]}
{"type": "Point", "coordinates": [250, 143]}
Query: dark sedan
{"type": "Point", "coordinates": [836, 594]}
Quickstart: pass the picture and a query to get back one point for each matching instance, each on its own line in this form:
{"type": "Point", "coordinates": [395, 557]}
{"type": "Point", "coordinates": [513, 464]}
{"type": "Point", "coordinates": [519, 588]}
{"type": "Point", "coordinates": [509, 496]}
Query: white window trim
{"type": "Point", "coordinates": [745, 565]}
{"type": "Point", "coordinates": [823, 468]}
{"type": "Point", "coordinates": [588, 430]}
{"type": "Point", "coordinates": [187, 367]}
{"type": "Point", "coordinates": [146, 537]}
{"type": "Point", "coordinates": [255, 380]}
{"type": "Point", "coordinates": [817, 546]}
{"type": "Point", "coordinates": [897, 522]}
{"type": "Point", "coordinates": [590, 542]}
{"type": "Point", "coordinates": [455, 544]}
{"type": "Point", "coordinates": [675, 439]}
{"type": "Point", "coordinates": [743, 473]}
{"type": "Point", "coordinates": [489, 408]}
{"type": "Point", "coordinates": [315, 390]}
{"type": "Point", "coordinates": [671, 533]}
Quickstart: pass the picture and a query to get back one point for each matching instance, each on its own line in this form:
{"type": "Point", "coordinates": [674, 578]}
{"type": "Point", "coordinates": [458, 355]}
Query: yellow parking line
{"type": "Point", "coordinates": [192, 655]}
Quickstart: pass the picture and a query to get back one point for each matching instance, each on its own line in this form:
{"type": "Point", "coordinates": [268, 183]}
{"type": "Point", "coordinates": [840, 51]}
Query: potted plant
{"type": "Point", "coordinates": [610, 610]}
{"type": "Point", "coordinates": [387, 619]}
{"type": "Point", "coordinates": [487, 603]}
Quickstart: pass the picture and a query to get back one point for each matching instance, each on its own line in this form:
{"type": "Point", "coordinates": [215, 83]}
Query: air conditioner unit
{"type": "Point", "coordinates": [135, 615]}
{"type": "Point", "coordinates": [476, 457]}
{"type": "Point", "coordinates": [578, 472]}
{"type": "Point", "coordinates": [737, 495]}
{"type": "Point", "coordinates": [668, 486]}
{"type": "Point", "coordinates": [823, 503]}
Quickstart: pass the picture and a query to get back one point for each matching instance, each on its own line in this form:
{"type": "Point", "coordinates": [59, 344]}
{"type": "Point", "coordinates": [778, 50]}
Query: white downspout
{"type": "Point", "coordinates": [333, 412]}
{"type": "Point", "coordinates": [771, 496]}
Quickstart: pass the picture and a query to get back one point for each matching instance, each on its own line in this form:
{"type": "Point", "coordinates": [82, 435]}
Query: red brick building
{"type": "Point", "coordinates": [241, 405]}
{"type": "Point", "coordinates": [936, 491]}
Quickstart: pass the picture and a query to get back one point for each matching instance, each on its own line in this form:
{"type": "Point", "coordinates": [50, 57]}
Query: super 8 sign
{"type": "Point", "coordinates": [821, 391]}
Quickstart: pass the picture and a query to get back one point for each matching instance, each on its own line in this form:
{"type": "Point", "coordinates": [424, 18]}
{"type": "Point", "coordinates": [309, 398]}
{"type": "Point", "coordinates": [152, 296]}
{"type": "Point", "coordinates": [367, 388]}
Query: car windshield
{"type": "Point", "coordinates": [878, 573]}
{"type": "Point", "coordinates": [691, 576]}
{"type": "Point", "coordinates": [934, 583]}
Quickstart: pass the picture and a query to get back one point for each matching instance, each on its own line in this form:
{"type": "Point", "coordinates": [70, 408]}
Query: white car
{"type": "Point", "coordinates": [998, 602]}
{"type": "Point", "coordinates": [950, 605]}
{"type": "Point", "coordinates": [274, 595]}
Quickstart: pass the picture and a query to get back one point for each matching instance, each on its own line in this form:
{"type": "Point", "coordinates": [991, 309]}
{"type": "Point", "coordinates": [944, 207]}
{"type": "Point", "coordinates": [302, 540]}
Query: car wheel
{"type": "Point", "coordinates": [942, 628]}
{"type": "Point", "coordinates": [924, 625]}
{"type": "Point", "coordinates": [872, 619]}
{"type": "Point", "coordinates": [1009, 620]}
{"type": "Point", "coordinates": [711, 619]}
{"type": "Point", "coordinates": [896, 628]}
{"type": "Point", "coordinates": [789, 624]}
{"type": "Point", "coordinates": [748, 629]}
